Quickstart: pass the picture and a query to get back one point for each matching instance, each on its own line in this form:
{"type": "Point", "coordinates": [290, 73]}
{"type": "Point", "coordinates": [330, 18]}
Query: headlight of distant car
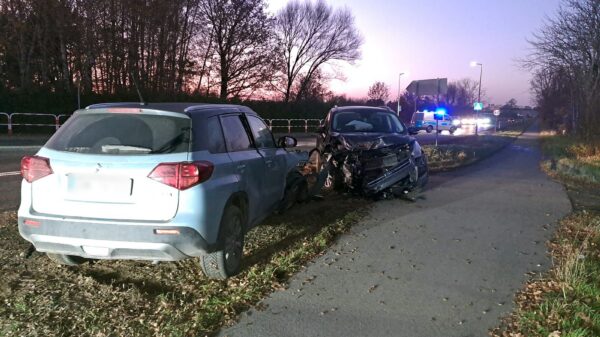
{"type": "Point", "coordinates": [416, 150]}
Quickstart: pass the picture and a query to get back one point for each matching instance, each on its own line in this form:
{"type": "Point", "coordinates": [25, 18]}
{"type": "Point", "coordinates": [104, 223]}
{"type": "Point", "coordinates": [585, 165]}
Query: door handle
{"type": "Point", "coordinates": [241, 166]}
{"type": "Point", "coordinates": [269, 163]}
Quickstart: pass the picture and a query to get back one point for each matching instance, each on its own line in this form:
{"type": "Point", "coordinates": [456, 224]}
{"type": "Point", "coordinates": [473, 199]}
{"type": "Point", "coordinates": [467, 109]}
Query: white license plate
{"type": "Point", "coordinates": [391, 160]}
{"type": "Point", "coordinates": [96, 251]}
{"type": "Point", "coordinates": [98, 188]}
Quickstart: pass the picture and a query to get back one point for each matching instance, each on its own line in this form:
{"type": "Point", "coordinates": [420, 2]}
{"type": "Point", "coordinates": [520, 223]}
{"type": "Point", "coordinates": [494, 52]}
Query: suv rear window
{"type": "Point", "coordinates": [122, 134]}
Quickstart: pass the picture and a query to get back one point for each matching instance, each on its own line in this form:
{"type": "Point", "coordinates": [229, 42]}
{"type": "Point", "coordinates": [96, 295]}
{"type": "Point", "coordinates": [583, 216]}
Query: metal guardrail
{"type": "Point", "coordinates": [12, 120]}
{"type": "Point", "coordinates": [8, 124]}
{"type": "Point", "coordinates": [296, 124]}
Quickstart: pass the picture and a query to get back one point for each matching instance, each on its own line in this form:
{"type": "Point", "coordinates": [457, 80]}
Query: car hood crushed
{"type": "Point", "coordinates": [373, 164]}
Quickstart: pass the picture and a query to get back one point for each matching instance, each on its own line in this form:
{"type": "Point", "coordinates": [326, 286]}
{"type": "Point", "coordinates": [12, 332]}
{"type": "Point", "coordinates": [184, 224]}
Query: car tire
{"type": "Point", "coordinates": [296, 190]}
{"type": "Point", "coordinates": [226, 262]}
{"type": "Point", "coordinates": [429, 129]}
{"type": "Point", "coordinates": [66, 260]}
{"type": "Point", "coordinates": [452, 130]}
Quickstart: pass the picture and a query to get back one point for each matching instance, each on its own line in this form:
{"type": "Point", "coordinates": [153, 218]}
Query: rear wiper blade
{"type": "Point", "coordinates": [124, 148]}
{"type": "Point", "coordinates": [171, 144]}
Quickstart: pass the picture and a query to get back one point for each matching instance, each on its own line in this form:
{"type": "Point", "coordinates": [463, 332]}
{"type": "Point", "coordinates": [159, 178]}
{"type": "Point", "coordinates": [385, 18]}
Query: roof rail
{"type": "Point", "coordinates": [207, 106]}
{"type": "Point", "coordinates": [196, 107]}
{"type": "Point", "coordinates": [108, 105]}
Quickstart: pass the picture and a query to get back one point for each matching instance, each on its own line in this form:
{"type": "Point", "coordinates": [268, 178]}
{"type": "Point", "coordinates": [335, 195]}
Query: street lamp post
{"type": "Point", "coordinates": [399, 86]}
{"type": "Point", "coordinates": [475, 64]}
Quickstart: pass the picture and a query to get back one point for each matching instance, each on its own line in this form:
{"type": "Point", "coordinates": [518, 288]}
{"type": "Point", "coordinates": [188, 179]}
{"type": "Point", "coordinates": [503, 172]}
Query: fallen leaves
{"type": "Point", "coordinates": [132, 298]}
{"type": "Point", "coordinates": [561, 297]}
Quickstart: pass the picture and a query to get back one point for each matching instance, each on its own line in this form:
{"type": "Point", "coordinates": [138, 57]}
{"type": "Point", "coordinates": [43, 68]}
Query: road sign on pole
{"type": "Point", "coordinates": [477, 106]}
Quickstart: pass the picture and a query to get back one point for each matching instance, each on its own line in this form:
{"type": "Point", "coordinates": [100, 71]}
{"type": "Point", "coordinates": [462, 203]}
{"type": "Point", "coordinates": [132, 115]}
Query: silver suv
{"type": "Point", "coordinates": [154, 182]}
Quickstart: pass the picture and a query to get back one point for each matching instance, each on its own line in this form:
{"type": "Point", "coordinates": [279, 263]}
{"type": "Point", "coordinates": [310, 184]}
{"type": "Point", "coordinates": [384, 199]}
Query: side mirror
{"type": "Point", "coordinates": [287, 141]}
{"type": "Point", "coordinates": [412, 130]}
{"type": "Point", "coordinates": [321, 129]}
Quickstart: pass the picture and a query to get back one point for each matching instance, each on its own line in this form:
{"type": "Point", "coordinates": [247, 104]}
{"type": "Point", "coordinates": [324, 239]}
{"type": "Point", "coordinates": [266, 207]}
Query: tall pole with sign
{"type": "Point", "coordinates": [399, 91]}
{"type": "Point", "coordinates": [438, 115]}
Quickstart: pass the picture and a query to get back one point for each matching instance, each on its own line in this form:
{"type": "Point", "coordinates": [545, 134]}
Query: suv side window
{"type": "Point", "coordinates": [263, 138]}
{"type": "Point", "coordinates": [216, 143]}
{"type": "Point", "coordinates": [236, 137]}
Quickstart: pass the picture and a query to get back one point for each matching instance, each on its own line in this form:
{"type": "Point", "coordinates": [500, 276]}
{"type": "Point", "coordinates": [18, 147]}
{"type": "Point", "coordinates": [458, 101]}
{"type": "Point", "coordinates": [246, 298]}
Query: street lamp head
{"type": "Point", "coordinates": [475, 64]}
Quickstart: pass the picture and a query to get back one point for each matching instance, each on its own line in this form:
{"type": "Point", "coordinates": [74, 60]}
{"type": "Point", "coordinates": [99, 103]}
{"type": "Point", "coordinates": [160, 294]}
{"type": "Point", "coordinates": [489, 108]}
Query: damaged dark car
{"type": "Point", "coordinates": [368, 151]}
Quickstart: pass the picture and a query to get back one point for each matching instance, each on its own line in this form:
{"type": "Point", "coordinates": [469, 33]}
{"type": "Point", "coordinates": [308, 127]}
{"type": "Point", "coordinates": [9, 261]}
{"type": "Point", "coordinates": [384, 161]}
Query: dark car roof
{"type": "Point", "coordinates": [188, 108]}
{"type": "Point", "coordinates": [361, 107]}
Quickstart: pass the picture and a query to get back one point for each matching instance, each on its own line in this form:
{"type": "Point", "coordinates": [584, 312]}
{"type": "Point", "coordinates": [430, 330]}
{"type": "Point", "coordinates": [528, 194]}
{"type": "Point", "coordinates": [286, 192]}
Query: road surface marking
{"type": "Point", "coordinates": [20, 147]}
{"type": "Point", "coordinates": [13, 173]}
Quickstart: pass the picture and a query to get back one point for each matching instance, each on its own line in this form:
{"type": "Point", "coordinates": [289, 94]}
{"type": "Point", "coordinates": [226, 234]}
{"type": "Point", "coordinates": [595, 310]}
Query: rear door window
{"type": "Point", "coordinates": [263, 138]}
{"type": "Point", "coordinates": [122, 134]}
{"type": "Point", "coordinates": [216, 142]}
{"type": "Point", "coordinates": [208, 135]}
{"type": "Point", "coordinates": [235, 134]}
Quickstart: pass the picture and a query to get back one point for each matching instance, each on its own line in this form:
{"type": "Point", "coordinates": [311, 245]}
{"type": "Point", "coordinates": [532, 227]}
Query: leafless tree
{"type": "Point", "coordinates": [316, 88]}
{"type": "Point", "coordinates": [242, 33]}
{"type": "Point", "coordinates": [463, 92]}
{"type": "Point", "coordinates": [378, 92]}
{"type": "Point", "coordinates": [49, 43]}
{"type": "Point", "coordinates": [511, 103]}
{"type": "Point", "coordinates": [568, 47]}
{"type": "Point", "coordinates": [311, 34]}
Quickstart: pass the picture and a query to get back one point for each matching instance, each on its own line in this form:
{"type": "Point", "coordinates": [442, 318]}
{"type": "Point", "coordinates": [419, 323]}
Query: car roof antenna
{"type": "Point", "coordinates": [142, 102]}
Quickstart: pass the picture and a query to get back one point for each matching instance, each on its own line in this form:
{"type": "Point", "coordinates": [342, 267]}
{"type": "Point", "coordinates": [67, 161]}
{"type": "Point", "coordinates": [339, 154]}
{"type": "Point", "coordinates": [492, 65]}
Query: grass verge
{"type": "Point", "coordinates": [132, 298]}
{"type": "Point", "coordinates": [566, 300]}
{"type": "Point", "coordinates": [571, 159]}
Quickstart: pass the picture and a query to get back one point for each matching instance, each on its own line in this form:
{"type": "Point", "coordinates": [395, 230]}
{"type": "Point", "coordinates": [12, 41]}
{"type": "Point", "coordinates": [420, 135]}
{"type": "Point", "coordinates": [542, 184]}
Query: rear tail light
{"type": "Point", "coordinates": [32, 223]}
{"type": "Point", "coordinates": [34, 168]}
{"type": "Point", "coordinates": [182, 175]}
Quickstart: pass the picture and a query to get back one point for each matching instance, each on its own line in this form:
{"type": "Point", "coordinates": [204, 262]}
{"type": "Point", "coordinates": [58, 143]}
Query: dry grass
{"type": "Point", "coordinates": [471, 150]}
{"type": "Point", "coordinates": [451, 156]}
{"type": "Point", "coordinates": [572, 159]}
{"type": "Point", "coordinates": [132, 298]}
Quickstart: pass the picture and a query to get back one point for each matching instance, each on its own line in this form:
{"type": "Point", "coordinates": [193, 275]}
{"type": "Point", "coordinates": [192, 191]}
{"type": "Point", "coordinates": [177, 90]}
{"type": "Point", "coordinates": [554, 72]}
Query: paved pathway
{"type": "Point", "coordinates": [445, 266]}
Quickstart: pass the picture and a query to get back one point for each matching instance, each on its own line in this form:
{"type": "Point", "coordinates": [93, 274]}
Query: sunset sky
{"type": "Point", "coordinates": [439, 38]}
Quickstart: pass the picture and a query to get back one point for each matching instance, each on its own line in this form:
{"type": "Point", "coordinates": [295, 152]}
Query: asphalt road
{"type": "Point", "coordinates": [448, 265]}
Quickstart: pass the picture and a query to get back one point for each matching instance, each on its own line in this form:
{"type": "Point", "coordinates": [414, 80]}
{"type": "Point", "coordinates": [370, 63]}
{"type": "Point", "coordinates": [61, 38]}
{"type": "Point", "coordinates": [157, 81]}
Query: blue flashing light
{"type": "Point", "coordinates": [439, 114]}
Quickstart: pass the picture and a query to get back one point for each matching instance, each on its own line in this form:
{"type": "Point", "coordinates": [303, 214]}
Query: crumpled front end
{"type": "Point", "coordinates": [379, 167]}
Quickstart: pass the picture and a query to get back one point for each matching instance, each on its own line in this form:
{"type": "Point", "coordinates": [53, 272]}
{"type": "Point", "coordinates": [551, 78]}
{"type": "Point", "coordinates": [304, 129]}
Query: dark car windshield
{"type": "Point", "coordinates": [366, 120]}
{"type": "Point", "coordinates": [122, 134]}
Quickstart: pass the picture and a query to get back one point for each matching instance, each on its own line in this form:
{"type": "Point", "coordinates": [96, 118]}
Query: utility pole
{"type": "Point", "coordinates": [399, 91]}
{"type": "Point", "coordinates": [475, 64]}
